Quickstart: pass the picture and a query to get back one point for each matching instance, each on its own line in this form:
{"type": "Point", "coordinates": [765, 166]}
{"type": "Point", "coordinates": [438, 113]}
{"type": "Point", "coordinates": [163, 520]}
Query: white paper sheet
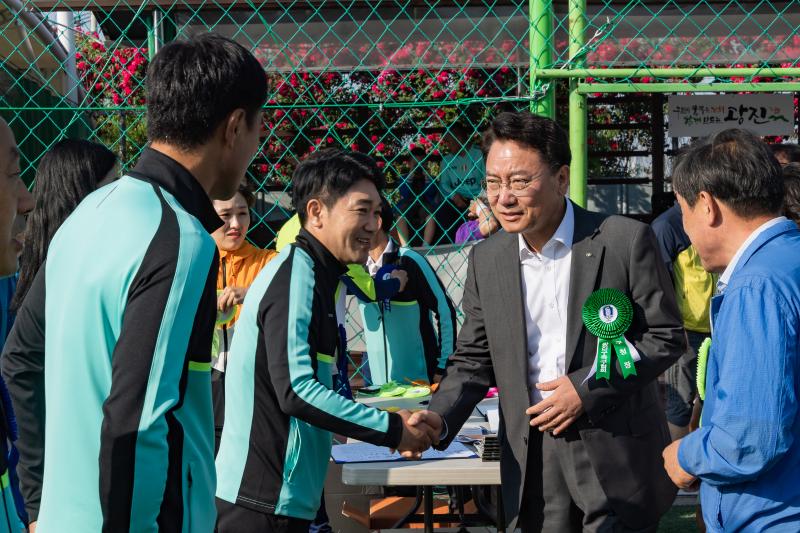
{"type": "Point", "coordinates": [493, 416]}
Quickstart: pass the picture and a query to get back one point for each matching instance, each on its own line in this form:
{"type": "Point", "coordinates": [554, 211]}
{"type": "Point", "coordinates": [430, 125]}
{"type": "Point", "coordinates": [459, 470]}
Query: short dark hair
{"type": "Point", "coordinates": [193, 85]}
{"type": "Point", "coordinates": [733, 166]}
{"type": "Point", "coordinates": [792, 151]}
{"type": "Point", "coordinates": [328, 174]}
{"type": "Point", "coordinates": [387, 215]}
{"type": "Point", "coordinates": [791, 197]}
{"type": "Point", "coordinates": [246, 190]}
{"type": "Point", "coordinates": [532, 131]}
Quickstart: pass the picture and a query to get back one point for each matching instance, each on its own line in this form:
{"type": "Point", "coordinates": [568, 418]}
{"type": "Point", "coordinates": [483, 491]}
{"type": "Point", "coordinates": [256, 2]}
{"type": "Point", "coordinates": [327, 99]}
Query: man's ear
{"type": "Point", "coordinates": [314, 213]}
{"type": "Point", "coordinates": [234, 127]}
{"type": "Point", "coordinates": [709, 209]}
{"type": "Point", "coordinates": [563, 179]}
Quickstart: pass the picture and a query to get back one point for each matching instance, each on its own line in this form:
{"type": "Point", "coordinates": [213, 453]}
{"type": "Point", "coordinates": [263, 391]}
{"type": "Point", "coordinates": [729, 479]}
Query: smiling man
{"type": "Point", "coordinates": [279, 420]}
{"type": "Point", "coordinates": [15, 201]}
{"type": "Point", "coordinates": [578, 453]}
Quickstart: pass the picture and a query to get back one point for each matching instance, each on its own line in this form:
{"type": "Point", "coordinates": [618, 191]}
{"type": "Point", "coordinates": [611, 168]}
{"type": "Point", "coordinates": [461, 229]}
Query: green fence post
{"type": "Point", "coordinates": [578, 116]}
{"type": "Point", "coordinates": [540, 38]}
{"type": "Point", "coordinates": [152, 35]}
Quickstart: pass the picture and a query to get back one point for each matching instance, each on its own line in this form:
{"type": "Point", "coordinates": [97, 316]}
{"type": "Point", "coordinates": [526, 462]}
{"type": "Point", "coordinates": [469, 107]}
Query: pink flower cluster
{"type": "Point", "coordinates": [392, 54]}
{"type": "Point", "coordinates": [111, 77]}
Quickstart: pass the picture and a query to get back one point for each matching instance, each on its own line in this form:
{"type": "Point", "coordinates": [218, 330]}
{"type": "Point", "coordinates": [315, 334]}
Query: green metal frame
{"type": "Point", "coordinates": [576, 74]}
{"type": "Point", "coordinates": [541, 55]}
{"type": "Point", "coordinates": [578, 114]}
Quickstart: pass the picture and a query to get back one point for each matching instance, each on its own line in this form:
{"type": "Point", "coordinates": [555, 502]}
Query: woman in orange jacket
{"type": "Point", "coordinates": [239, 264]}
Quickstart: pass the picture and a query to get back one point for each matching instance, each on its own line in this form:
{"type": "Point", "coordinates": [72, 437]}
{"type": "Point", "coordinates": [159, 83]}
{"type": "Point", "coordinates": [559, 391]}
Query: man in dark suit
{"type": "Point", "coordinates": [578, 453]}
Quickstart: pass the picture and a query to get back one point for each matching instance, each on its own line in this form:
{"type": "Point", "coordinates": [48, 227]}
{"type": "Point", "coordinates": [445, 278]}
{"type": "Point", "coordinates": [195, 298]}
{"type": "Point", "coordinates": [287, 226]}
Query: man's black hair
{"type": "Point", "coordinates": [733, 166]}
{"type": "Point", "coordinates": [532, 131]}
{"type": "Point", "coordinates": [193, 85]}
{"type": "Point", "coordinates": [791, 151]}
{"type": "Point", "coordinates": [791, 198]}
{"type": "Point", "coordinates": [328, 174]}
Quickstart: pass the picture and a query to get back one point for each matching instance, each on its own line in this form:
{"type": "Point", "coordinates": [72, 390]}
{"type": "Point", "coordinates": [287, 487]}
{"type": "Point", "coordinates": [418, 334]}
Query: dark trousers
{"type": "Point", "coordinates": [236, 519]}
{"type": "Point", "coordinates": [681, 382]}
{"type": "Point", "coordinates": [562, 493]}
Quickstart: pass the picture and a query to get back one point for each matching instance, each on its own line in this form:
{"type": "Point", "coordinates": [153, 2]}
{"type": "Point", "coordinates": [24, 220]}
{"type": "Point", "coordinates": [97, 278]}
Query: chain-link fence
{"type": "Point", "coordinates": [411, 82]}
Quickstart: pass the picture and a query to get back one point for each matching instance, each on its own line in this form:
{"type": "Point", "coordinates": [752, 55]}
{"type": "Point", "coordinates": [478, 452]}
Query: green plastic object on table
{"type": "Point", "coordinates": [392, 389]}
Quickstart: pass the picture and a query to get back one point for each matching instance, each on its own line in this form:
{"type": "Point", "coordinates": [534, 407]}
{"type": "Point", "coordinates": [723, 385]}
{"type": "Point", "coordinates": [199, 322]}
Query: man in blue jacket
{"type": "Point", "coordinates": [747, 450]}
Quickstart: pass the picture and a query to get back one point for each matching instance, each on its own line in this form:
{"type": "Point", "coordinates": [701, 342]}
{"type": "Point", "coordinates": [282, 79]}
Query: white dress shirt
{"type": "Point", "coordinates": [545, 286]}
{"type": "Point", "coordinates": [372, 265]}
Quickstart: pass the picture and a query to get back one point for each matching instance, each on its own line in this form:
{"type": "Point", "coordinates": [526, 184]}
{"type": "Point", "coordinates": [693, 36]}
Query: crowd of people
{"type": "Point", "coordinates": [161, 373]}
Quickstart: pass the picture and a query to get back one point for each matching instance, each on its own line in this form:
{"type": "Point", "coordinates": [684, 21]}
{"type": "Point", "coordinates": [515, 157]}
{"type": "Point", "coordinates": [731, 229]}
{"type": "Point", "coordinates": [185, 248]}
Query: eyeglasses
{"type": "Point", "coordinates": [517, 186]}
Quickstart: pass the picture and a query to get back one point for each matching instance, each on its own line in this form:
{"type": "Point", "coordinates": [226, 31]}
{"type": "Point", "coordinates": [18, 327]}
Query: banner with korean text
{"type": "Point", "coordinates": [701, 115]}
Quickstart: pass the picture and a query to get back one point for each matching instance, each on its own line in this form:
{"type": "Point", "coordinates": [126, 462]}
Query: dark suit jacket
{"type": "Point", "coordinates": [623, 428]}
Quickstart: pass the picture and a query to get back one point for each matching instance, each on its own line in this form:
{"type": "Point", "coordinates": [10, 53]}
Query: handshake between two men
{"type": "Point", "coordinates": [553, 414]}
{"type": "Point", "coordinates": [421, 430]}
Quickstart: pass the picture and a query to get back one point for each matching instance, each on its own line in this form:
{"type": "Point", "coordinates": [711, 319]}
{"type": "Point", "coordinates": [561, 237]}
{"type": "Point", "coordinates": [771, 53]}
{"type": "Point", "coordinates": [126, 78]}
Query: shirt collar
{"type": "Point", "coordinates": [245, 250]}
{"type": "Point", "coordinates": [563, 234]}
{"type": "Point", "coordinates": [725, 278]}
{"type": "Point", "coordinates": [330, 265]}
{"type": "Point", "coordinates": [389, 249]}
{"type": "Point", "coordinates": [162, 170]}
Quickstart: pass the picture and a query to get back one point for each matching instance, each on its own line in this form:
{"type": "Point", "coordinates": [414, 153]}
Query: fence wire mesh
{"type": "Point", "coordinates": [410, 82]}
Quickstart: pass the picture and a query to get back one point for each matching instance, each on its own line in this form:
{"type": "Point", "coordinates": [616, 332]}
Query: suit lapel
{"type": "Point", "coordinates": [587, 257]}
{"type": "Point", "coordinates": [511, 301]}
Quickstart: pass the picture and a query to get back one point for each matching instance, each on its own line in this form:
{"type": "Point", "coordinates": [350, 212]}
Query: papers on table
{"type": "Point", "coordinates": [361, 452]}
{"type": "Point", "coordinates": [493, 416]}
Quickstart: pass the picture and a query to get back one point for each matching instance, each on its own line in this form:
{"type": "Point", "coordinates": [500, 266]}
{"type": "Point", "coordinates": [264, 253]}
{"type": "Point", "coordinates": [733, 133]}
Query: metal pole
{"type": "Point", "coordinates": [65, 21]}
{"type": "Point", "coordinates": [768, 87]}
{"type": "Point", "coordinates": [540, 35]}
{"type": "Point", "coordinates": [699, 72]}
{"type": "Point", "coordinates": [428, 508]}
{"type": "Point", "coordinates": [578, 115]}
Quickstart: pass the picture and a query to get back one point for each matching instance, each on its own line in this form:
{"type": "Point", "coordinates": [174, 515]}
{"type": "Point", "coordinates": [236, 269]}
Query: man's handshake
{"type": "Point", "coordinates": [421, 430]}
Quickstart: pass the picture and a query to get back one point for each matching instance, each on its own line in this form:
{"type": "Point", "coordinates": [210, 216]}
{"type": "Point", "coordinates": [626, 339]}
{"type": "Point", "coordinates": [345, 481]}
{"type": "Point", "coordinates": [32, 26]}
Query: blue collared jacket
{"type": "Point", "coordinates": [747, 452]}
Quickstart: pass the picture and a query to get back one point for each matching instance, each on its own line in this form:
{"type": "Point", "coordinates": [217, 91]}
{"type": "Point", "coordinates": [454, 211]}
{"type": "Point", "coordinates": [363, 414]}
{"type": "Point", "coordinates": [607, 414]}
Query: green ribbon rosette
{"type": "Point", "coordinates": [607, 314]}
{"type": "Point", "coordinates": [702, 363]}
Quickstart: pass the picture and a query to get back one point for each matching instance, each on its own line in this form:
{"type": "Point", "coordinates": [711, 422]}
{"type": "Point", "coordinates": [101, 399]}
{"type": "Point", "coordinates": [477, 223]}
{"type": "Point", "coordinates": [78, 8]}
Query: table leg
{"type": "Point", "coordinates": [428, 508]}
{"type": "Point", "coordinates": [501, 511]}
{"type": "Point", "coordinates": [417, 502]}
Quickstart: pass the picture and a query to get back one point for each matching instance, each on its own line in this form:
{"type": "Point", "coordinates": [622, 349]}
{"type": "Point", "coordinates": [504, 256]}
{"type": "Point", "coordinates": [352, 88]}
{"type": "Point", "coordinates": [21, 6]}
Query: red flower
{"type": "Point", "coordinates": [116, 99]}
{"type": "Point", "coordinates": [354, 147]}
{"type": "Point", "coordinates": [412, 146]}
{"type": "Point", "coordinates": [380, 147]}
{"type": "Point", "coordinates": [263, 168]}
{"type": "Point", "coordinates": [380, 164]}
